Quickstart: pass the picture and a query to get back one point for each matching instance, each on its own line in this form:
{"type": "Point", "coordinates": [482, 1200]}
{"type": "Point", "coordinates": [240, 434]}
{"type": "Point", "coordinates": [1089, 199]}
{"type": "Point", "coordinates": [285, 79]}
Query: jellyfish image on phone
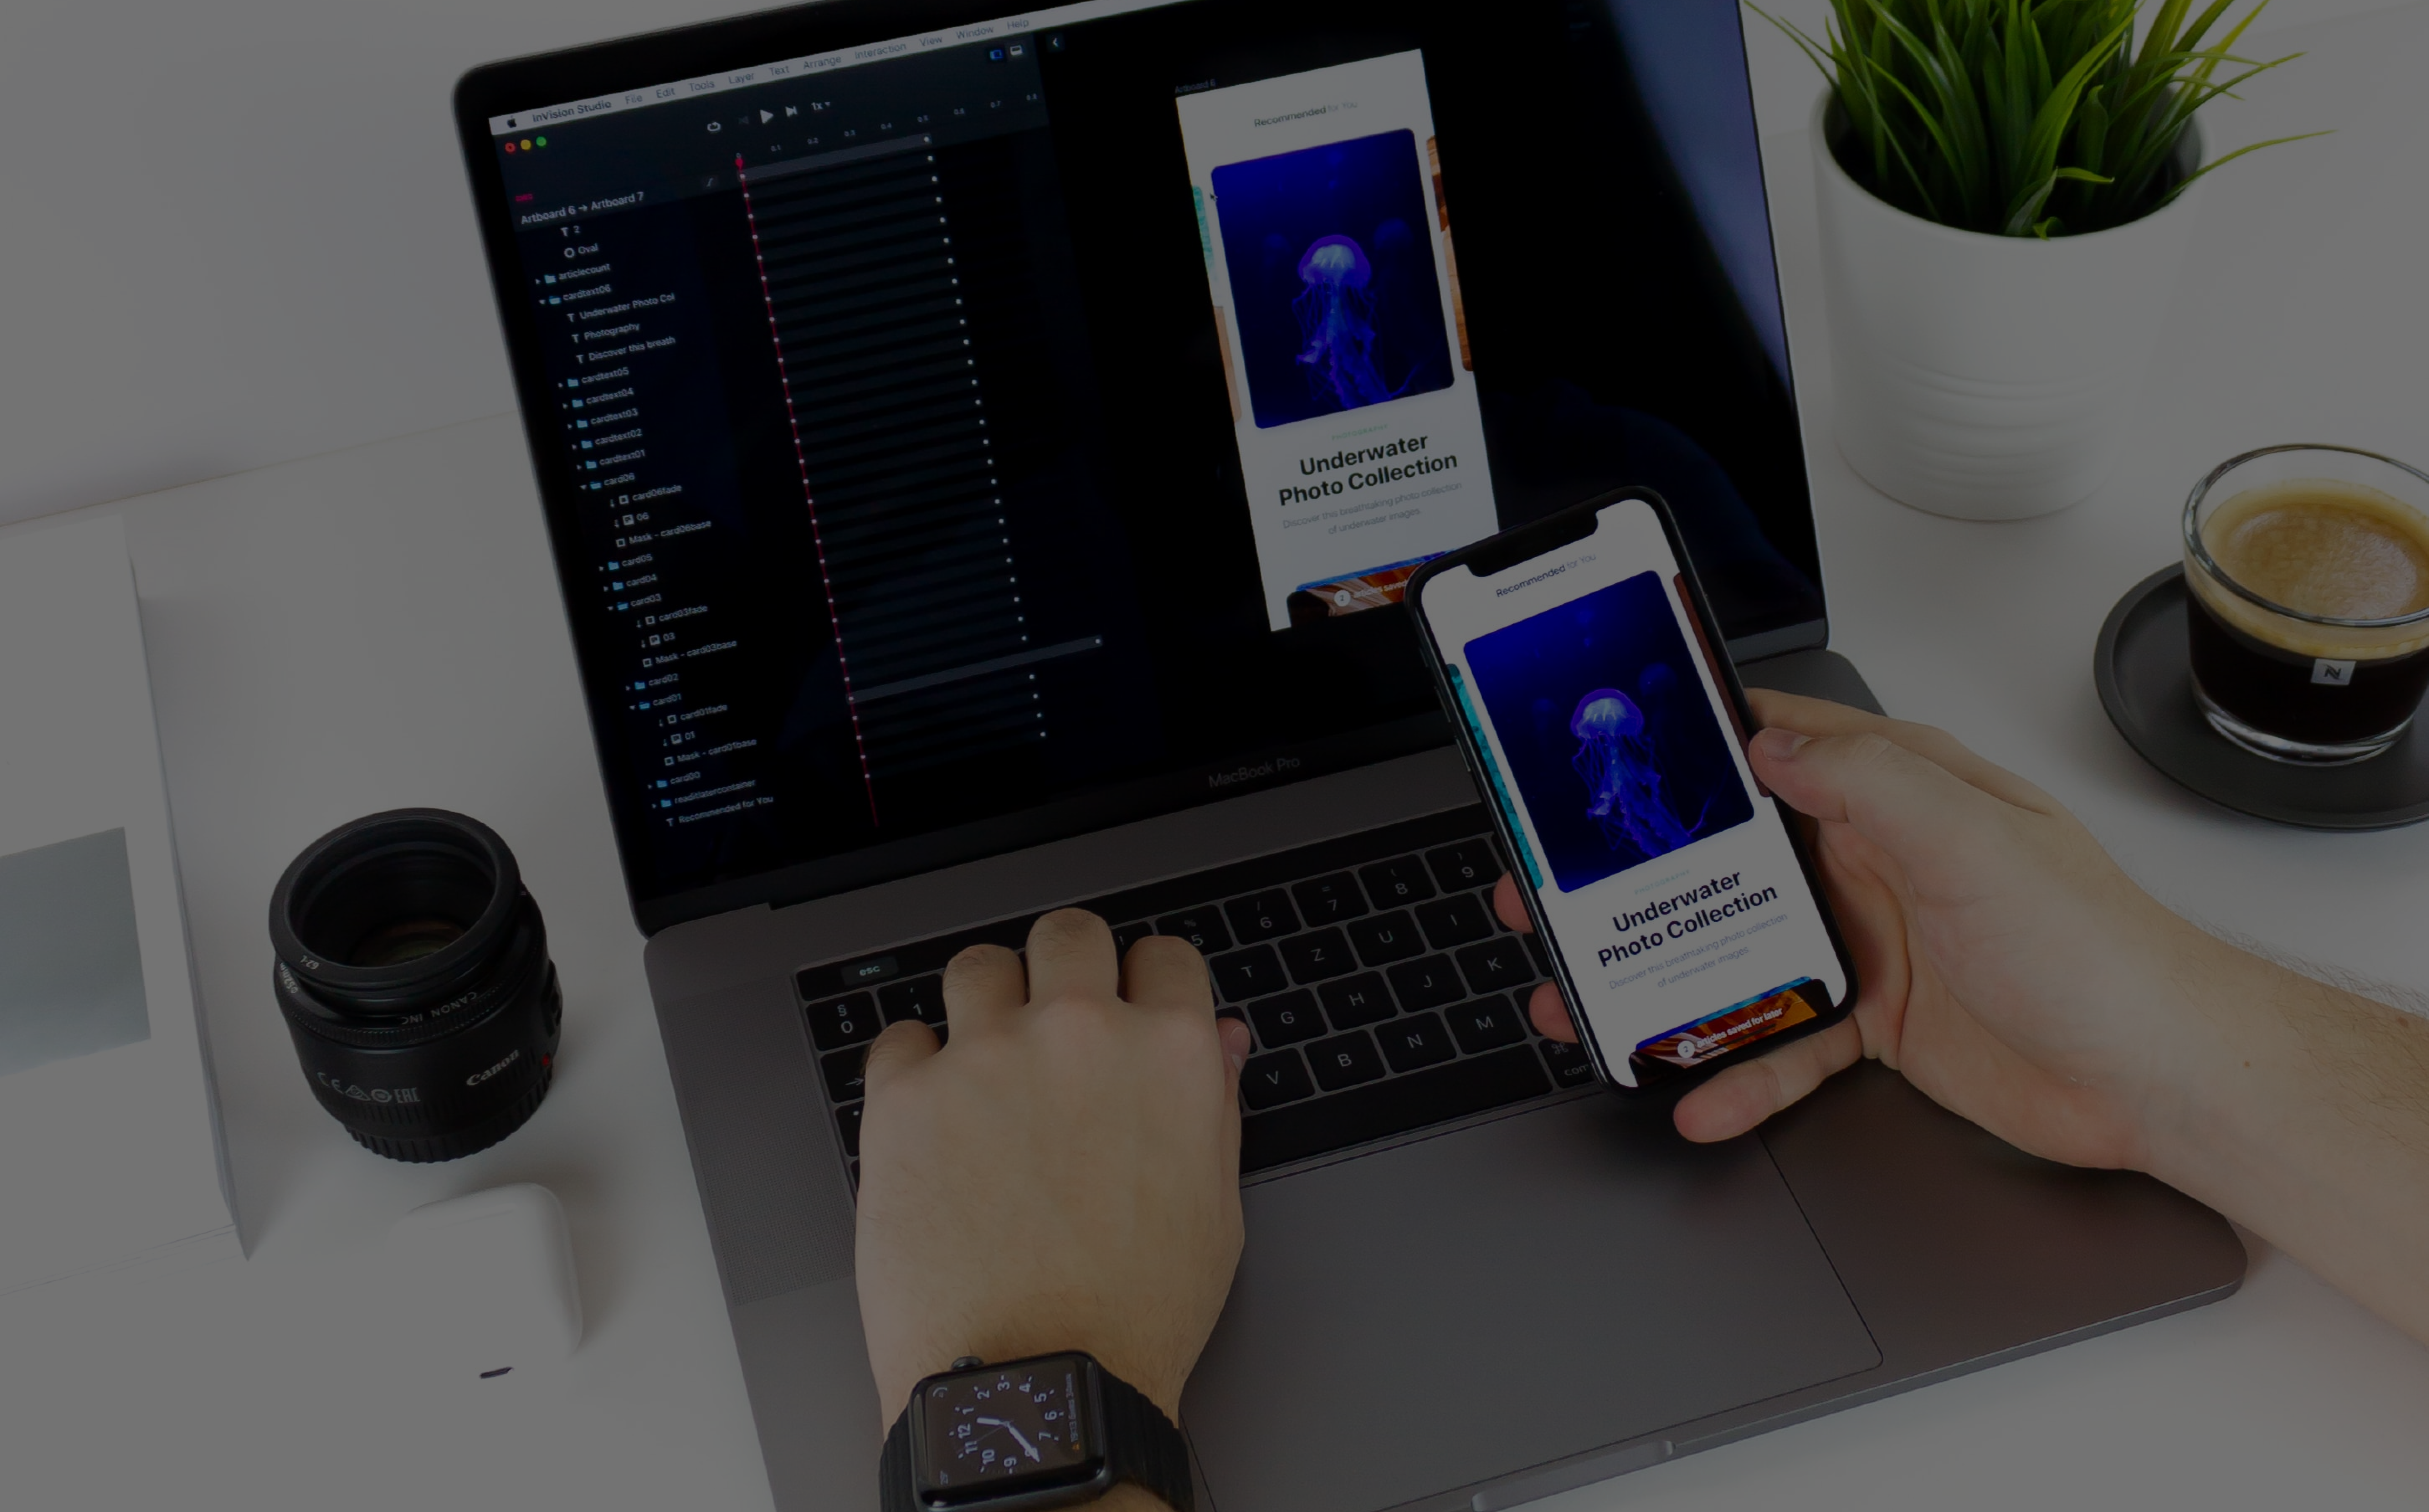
{"type": "Point", "coordinates": [1622, 777]}
{"type": "Point", "coordinates": [1336, 317]}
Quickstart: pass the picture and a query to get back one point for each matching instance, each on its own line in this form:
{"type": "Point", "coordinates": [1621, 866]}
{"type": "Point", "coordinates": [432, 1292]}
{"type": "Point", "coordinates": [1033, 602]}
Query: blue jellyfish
{"type": "Point", "coordinates": [1622, 777]}
{"type": "Point", "coordinates": [1336, 314]}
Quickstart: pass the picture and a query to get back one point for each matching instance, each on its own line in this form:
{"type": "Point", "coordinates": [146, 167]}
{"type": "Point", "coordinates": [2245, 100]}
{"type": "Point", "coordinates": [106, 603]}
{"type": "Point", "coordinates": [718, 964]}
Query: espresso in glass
{"type": "Point", "coordinates": [2309, 614]}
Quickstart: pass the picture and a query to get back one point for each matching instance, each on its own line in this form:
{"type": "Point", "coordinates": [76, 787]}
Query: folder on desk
{"type": "Point", "coordinates": [110, 1153]}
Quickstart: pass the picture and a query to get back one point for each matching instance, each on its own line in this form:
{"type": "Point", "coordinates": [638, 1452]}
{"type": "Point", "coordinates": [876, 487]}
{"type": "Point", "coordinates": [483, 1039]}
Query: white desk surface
{"type": "Point", "coordinates": [379, 626]}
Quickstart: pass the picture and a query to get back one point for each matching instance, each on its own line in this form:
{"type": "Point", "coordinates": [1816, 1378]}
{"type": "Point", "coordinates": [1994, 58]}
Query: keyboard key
{"type": "Point", "coordinates": [1453, 921]}
{"type": "Point", "coordinates": [1287, 1020]}
{"type": "Point", "coordinates": [1361, 1000]}
{"type": "Point", "coordinates": [1425, 984]}
{"type": "Point", "coordinates": [1269, 1081]}
{"type": "Point", "coordinates": [869, 972]}
{"type": "Point", "coordinates": [1410, 1044]}
{"type": "Point", "coordinates": [1202, 927]}
{"type": "Point", "coordinates": [922, 997]}
{"type": "Point", "coordinates": [842, 1068]}
{"type": "Point", "coordinates": [1125, 935]}
{"type": "Point", "coordinates": [844, 1021]}
{"type": "Point", "coordinates": [1314, 957]}
{"type": "Point", "coordinates": [1535, 953]}
{"type": "Point", "coordinates": [1323, 1125]}
{"type": "Point", "coordinates": [1568, 1063]}
{"type": "Point", "coordinates": [1486, 1023]}
{"type": "Point", "coordinates": [1345, 1060]}
{"type": "Point", "coordinates": [1254, 972]}
{"type": "Point", "coordinates": [1495, 966]}
{"type": "Point", "coordinates": [1469, 864]}
{"type": "Point", "coordinates": [1265, 916]}
{"type": "Point", "coordinates": [847, 1124]}
{"type": "Point", "coordinates": [1394, 883]}
{"type": "Point", "coordinates": [1329, 900]}
{"type": "Point", "coordinates": [1390, 936]}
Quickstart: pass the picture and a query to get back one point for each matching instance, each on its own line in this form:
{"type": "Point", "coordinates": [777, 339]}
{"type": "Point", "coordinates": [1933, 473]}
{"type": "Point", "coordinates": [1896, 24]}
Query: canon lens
{"type": "Point", "coordinates": [413, 971]}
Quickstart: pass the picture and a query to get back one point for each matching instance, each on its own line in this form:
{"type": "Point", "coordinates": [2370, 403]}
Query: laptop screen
{"type": "Point", "coordinates": [955, 438]}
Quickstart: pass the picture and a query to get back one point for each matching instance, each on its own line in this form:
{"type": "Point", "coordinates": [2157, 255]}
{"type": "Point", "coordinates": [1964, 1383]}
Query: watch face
{"type": "Point", "coordinates": [1017, 1423]}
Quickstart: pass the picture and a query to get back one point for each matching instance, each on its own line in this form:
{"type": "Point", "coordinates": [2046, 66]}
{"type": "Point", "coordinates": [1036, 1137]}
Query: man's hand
{"type": "Point", "coordinates": [2007, 966]}
{"type": "Point", "coordinates": [1064, 1175]}
{"type": "Point", "coordinates": [2013, 973]}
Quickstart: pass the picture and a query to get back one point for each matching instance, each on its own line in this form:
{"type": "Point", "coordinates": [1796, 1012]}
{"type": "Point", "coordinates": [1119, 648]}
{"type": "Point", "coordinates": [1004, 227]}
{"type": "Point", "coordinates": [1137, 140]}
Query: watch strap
{"type": "Point", "coordinates": [894, 1489]}
{"type": "Point", "coordinates": [1141, 1444]}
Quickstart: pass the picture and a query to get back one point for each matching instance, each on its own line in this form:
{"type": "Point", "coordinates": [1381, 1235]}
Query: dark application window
{"type": "Point", "coordinates": [910, 491]}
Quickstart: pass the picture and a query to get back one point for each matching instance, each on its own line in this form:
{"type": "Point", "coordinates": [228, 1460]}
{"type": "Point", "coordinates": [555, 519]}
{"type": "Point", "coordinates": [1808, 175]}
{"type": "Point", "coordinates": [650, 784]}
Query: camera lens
{"type": "Point", "coordinates": [414, 974]}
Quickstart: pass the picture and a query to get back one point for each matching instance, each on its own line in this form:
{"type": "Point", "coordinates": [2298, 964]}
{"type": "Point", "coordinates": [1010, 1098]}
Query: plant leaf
{"type": "Point", "coordinates": [2207, 168]}
{"type": "Point", "coordinates": [2021, 221]}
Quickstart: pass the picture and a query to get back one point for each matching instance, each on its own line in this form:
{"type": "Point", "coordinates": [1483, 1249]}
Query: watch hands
{"type": "Point", "coordinates": [1026, 1447]}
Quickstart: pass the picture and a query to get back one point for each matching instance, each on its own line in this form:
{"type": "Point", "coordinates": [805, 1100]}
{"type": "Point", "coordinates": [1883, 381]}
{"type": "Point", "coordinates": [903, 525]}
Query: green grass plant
{"type": "Point", "coordinates": [2024, 117]}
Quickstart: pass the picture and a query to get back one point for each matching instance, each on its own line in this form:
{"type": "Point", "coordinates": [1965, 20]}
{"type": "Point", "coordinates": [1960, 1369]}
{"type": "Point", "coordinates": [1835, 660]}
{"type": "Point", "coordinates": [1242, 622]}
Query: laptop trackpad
{"type": "Point", "coordinates": [1464, 1307]}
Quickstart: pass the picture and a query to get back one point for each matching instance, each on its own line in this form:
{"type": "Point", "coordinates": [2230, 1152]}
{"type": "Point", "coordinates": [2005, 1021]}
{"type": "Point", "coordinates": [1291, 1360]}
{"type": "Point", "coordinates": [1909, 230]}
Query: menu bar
{"type": "Point", "coordinates": [1010, 32]}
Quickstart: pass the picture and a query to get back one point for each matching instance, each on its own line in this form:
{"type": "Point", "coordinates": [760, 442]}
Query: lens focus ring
{"type": "Point", "coordinates": [414, 977]}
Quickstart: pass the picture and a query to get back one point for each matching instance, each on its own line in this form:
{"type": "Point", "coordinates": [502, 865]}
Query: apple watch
{"type": "Point", "coordinates": [1052, 1430]}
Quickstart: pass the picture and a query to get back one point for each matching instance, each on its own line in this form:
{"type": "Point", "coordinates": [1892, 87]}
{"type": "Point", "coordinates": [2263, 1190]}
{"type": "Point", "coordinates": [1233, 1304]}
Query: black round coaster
{"type": "Point", "coordinates": [2144, 674]}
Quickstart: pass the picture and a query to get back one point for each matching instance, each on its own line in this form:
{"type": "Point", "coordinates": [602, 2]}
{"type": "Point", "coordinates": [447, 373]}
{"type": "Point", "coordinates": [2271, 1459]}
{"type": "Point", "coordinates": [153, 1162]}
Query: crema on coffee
{"type": "Point", "coordinates": [2281, 673]}
{"type": "Point", "coordinates": [2323, 547]}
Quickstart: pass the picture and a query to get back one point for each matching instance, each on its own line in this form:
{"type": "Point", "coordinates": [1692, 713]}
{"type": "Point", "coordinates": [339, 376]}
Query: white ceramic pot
{"type": "Point", "coordinates": [1989, 377]}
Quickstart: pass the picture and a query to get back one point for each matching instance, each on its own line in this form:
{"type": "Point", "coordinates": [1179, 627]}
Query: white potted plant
{"type": "Point", "coordinates": [2002, 189]}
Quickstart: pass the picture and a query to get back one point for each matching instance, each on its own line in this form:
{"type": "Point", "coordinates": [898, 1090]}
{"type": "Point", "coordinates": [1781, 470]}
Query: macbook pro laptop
{"type": "Point", "coordinates": [982, 453]}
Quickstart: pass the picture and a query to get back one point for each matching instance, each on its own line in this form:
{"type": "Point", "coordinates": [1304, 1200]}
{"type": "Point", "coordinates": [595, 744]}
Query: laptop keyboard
{"type": "Point", "coordinates": [1382, 993]}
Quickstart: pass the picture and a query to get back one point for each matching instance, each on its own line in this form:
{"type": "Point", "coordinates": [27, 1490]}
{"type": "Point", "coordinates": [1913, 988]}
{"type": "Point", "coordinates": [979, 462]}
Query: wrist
{"type": "Point", "coordinates": [2215, 1088]}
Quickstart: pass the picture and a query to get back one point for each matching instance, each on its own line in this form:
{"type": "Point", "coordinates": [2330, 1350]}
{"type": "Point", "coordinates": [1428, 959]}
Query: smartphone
{"type": "Point", "coordinates": [1591, 694]}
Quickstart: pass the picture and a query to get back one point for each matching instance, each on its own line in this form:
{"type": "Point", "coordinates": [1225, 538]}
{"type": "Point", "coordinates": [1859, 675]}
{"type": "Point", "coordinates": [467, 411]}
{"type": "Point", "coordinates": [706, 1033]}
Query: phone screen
{"type": "Point", "coordinates": [1670, 890]}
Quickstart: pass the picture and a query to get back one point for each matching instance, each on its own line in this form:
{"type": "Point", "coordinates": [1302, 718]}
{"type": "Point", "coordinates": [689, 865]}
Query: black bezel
{"type": "Point", "coordinates": [1499, 553]}
{"type": "Point", "coordinates": [1069, 1487]}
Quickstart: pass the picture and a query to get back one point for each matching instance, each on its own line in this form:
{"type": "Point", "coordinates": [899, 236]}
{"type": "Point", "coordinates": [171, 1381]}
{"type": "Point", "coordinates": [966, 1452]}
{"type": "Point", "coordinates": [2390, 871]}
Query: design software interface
{"type": "Point", "coordinates": [966, 421]}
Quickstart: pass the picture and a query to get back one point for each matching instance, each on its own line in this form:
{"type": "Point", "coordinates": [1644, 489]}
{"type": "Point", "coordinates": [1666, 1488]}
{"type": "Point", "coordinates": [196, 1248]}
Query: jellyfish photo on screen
{"type": "Point", "coordinates": [1623, 778]}
{"type": "Point", "coordinates": [1613, 743]}
{"type": "Point", "coordinates": [1331, 257]}
{"type": "Point", "coordinates": [1334, 314]}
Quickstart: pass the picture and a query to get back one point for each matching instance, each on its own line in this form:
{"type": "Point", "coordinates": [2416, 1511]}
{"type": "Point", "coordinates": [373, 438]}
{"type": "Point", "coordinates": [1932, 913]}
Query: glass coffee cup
{"type": "Point", "coordinates": [2309, 612]}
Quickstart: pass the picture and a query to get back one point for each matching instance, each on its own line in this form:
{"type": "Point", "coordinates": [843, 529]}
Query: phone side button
{"type": "Point", "coordinates": [1569, 1064]}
